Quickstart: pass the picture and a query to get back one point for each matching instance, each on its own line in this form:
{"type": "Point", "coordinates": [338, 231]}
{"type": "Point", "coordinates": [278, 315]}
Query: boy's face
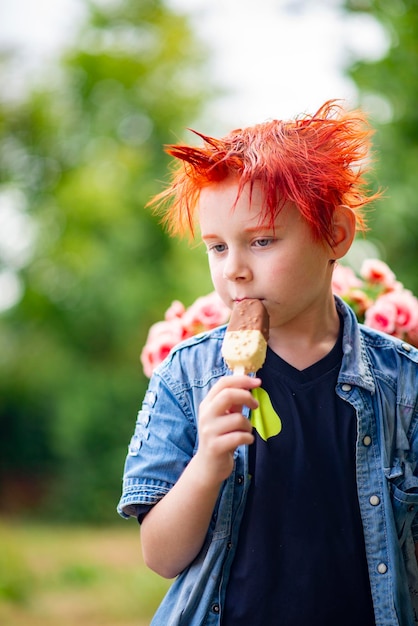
{"type": "Point", "coordinates": [284, 267]}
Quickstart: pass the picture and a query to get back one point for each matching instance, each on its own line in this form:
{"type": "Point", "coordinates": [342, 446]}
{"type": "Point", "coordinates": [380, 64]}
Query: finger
{"type": "Point", "coordinates": [234, 382]}
{"type": "Point", "coordinates": [225, 434]}
{"type": "Point", "coordinates": [212, 430]}
{"type": "Point", "coordinates": [227, 402]}
{"type": "Point", "coordinates": [230, 441]}
{"type": "Point", "coordinates": [234, 395]}
{"type": "Point", "coordinates": [235, 399]}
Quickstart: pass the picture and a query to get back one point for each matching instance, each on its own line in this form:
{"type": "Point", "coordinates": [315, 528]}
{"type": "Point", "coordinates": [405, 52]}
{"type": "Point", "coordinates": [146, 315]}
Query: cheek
{"type": "Point", "coordinates": [216, 273]}
{"type": "Point", "coordinates": [292, 275]}
{"type": "Point", "coordinates": [277, 270]}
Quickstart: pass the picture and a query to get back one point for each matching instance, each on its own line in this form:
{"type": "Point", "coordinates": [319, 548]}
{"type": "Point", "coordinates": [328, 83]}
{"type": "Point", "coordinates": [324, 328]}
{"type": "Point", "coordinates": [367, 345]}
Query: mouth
{"type": "Point", "coordinates": [248, 298]}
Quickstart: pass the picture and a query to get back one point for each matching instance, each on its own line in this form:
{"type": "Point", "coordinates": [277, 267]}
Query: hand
{"type": "Point", "coordinates": [222, 427]}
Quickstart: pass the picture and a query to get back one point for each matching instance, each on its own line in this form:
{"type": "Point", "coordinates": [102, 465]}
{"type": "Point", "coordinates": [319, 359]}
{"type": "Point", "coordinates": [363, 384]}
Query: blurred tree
{"type": "Point", "coordinates": [79, 158]}
{"type": "Point", "coordinates": [388, 89]}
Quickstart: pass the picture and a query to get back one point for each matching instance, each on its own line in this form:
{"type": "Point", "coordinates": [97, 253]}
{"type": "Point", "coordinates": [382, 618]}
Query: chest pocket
{"type": "Point", "coordinates": [405, 507]}
{"type": "Point", "coordinates": [400, 456]}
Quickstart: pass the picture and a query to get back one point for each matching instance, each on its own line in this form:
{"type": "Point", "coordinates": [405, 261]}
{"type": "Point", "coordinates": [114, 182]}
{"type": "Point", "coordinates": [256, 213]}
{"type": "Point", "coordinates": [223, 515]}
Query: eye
{"type": "Point", "coordinates": [263, 242]}
{"type": "Point", "coordinates": [217, 248]}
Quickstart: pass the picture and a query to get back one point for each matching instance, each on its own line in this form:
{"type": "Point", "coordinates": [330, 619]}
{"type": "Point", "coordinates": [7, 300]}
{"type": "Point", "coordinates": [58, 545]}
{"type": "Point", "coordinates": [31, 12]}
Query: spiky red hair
{"type": "Point", "coordinates": [316, 161]}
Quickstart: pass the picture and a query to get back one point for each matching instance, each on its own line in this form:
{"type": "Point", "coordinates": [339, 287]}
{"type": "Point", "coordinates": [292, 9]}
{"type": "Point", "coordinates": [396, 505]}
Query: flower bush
{"type": "Point", "coordinates": [180, 323]}
{"type": "Point", "coordinates": [377, 298]}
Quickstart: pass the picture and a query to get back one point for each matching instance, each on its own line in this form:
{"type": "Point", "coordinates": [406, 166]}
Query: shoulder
{"type": "Point", "coordinates": [391, 347]}
{"type": "Point", "coordinates": [372, 357]}
{"type": "Point", "coordinates": [373, 341]}
{"type": "Point", "coordinates": [394, 363]}
{"type": "Point", "coordinates": [195, 361]}
{"type": "Point", "coordinates": [209, 338]}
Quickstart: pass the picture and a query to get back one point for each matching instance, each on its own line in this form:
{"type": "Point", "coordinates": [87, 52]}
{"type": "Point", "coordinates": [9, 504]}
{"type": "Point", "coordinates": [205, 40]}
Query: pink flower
{"type": "Point", "coordinates": [377, 272]}
{"type": "Point", "coordinates": [382, 316]}
{"type": "Point", "coordinates": [176, 309]}
{"type": "Point", "coordinates": [205, 313]}
{"type": "Point", "coordinates": [162, 337]}
{"type": "Point", "coordinates": [412, 336]}
{"type": "Point", "coordinates": [395, 312]}
{"type": "Point", "coordinates": [179, 323]}
{"type": "Point", "coordinates": [406, 309]}
{"type": "Point", "coordinates": [344, 279]}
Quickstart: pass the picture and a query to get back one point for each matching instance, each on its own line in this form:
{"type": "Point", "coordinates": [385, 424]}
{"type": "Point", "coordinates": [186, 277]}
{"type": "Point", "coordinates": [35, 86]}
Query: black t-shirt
{"type": "Point", "coordinates": [300, 558]}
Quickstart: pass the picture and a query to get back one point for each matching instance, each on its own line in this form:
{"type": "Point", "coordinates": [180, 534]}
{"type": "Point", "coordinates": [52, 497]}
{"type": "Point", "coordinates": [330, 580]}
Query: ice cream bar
{"type": "Point", "coordinates": [245, 343]}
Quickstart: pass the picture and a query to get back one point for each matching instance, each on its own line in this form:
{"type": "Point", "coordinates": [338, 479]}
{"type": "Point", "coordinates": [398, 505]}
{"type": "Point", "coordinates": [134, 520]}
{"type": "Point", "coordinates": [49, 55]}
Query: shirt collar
{"type": "Point", "coordinates": [356, 367]}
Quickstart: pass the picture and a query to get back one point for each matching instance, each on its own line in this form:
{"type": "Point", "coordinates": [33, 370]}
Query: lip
{"type": "Point", "coordinates": [247, 298]}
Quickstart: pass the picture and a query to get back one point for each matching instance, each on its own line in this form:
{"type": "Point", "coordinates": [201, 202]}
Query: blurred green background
{"type": "Point", "coordinates": [88, 270]}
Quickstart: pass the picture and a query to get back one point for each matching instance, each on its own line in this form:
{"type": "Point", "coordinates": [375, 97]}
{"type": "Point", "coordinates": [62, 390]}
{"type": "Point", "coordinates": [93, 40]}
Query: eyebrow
{"type": "Point", "coordinates": [250, 229]}
{"type": "Point", "coordinates": [259, 228]}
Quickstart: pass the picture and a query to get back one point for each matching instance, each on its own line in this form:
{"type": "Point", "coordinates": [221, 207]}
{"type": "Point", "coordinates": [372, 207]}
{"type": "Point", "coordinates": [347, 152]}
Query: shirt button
{"type": "Point", "coordinates": [215, 608]}
{"type": "Point", "coordinates": [374, 500]}
{"type": "Point", "coordinates": [367, 440]}
{"type": "Point", "coordinates": [406, 347]}
{"type": "Point", "coordinates": [240, 479]}
{"type": "Point", "coordinates": [382, 568]}
{"type": "Point", "coordinates": [346, 387]}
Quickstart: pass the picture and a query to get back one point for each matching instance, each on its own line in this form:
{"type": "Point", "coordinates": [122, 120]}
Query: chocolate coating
{"type": "Point", "coordinates": [249, 314]}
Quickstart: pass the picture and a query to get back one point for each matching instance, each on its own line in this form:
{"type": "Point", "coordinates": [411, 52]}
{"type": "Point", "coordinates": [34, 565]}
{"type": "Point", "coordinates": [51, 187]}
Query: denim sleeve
{"type": "Point", "coordinates": [162, 445]}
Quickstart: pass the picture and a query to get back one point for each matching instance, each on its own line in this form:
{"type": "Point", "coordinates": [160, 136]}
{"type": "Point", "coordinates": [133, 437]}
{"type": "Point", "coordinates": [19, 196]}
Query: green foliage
{"type": "Point", "coordinates": [388, 88]}
{"type": "Point", "coordinates": [85, 153]}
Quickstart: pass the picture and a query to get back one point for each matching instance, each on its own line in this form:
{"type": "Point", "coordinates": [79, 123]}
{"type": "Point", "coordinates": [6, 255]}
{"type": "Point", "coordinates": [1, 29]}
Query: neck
{"type": "Point", "coordinates": [307, 341]}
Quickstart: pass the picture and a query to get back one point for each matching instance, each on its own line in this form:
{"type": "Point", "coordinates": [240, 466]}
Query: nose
{"type": "Point", "coordinates": [236, 268]}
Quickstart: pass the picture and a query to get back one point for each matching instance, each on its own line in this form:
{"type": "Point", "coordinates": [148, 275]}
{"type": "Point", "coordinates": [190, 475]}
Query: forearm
{"type": "Point", "coordinates": [173, 532]}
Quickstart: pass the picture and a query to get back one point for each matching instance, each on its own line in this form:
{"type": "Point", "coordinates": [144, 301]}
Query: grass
{"type": "Point", "coordinates": [75, 576]}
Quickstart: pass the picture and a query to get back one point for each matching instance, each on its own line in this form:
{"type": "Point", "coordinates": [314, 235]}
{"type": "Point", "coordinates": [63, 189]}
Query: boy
{"type": "Point", "coordinates": [303, 513]}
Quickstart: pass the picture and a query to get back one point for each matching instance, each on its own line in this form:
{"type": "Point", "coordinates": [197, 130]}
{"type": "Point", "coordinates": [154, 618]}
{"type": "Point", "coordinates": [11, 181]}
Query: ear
{"type": "Point", "coordinates": [344, 230]}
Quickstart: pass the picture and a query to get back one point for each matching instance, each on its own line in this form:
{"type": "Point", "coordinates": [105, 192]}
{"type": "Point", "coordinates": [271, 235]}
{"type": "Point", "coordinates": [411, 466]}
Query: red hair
{"type": "Point", "coordinates": [316, 161]}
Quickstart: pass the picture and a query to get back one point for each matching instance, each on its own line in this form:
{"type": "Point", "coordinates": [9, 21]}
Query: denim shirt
{"type": "Point", "coordinates": [379, 377]}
